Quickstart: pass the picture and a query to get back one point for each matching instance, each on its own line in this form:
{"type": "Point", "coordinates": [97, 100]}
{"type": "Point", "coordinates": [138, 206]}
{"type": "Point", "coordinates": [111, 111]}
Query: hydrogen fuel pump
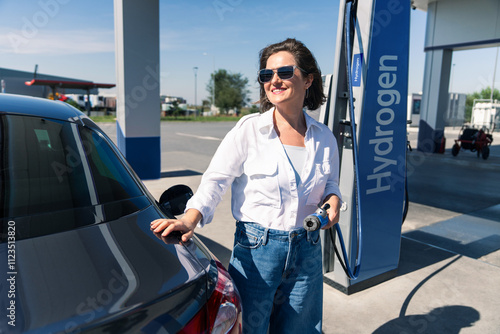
{"type": "Point", "coordinates": [366, 110]}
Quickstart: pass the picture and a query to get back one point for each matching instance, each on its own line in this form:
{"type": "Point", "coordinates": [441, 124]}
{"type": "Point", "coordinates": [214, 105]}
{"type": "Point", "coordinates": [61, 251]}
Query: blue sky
{"type": "Point", "coordinates": [76, 39]}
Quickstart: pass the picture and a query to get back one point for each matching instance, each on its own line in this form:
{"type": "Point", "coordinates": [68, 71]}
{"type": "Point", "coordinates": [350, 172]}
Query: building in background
{"type": "Point", "coordinates": [15, 83]}
{"type": "Point", "coordinates": [56, 87]}
{"type": "Point", "coordinates": [453, 116]}
{"type": "Point", "coordinates": [414, 102]}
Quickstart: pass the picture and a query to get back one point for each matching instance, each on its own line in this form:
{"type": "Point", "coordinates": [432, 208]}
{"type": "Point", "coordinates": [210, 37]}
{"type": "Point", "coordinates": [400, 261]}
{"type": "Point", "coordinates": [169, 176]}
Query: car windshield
{"type": "Point", "coordinates": [57, 175]}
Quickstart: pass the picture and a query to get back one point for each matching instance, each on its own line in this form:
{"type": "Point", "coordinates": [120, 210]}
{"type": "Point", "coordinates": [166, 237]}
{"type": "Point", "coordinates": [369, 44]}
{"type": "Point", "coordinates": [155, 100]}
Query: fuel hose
{"type": "Point", "coordinates": [352, 274]}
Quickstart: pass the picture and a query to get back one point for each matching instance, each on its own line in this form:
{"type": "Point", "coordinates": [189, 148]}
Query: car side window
{"type": "Point", "coordinates": [58, 175]}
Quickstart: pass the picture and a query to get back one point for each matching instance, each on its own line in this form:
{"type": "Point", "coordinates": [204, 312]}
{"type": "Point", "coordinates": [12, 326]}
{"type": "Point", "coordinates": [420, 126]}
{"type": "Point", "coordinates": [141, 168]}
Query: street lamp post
{"type": "Point", "coordinates": [195, 70]}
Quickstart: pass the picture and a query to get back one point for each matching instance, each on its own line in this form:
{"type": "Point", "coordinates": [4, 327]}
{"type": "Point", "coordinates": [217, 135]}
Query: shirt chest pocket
{"type": "Point", "coordinates": [321, 174]}
{"type": "Point", "coordinates": [263, 185]}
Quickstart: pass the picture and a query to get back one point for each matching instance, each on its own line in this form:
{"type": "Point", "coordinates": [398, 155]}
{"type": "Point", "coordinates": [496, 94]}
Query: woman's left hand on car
{"type": "Point", "coordinates": [185, 225]}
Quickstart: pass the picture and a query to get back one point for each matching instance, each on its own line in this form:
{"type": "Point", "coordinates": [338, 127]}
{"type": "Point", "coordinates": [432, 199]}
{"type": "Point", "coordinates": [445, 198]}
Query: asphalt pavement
{"type": "Point", "coordinates": [448, 277]}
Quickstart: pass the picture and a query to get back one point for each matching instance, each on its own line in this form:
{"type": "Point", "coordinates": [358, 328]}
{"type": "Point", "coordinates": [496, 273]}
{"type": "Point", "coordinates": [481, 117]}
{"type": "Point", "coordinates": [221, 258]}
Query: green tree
{"type": "Point", "coordinates": [483, 94]}
{"type": "Point", "coordinates": [231, 90]}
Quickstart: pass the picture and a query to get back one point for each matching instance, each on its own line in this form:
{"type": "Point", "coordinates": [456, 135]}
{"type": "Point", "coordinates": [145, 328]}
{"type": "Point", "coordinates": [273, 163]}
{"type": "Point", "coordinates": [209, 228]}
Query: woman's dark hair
{"type": "Point", "coordinates": [308, 65]}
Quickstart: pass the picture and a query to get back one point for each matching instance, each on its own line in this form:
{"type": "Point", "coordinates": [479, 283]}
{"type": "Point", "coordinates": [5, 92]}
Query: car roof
{"type": "Point", "coordinates": [35, 106]}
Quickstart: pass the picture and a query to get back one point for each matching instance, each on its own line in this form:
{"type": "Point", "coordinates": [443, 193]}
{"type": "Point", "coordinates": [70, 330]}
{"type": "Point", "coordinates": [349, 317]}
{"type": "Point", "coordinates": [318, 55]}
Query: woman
{"type": "Point", "coordinates": [281, 165]}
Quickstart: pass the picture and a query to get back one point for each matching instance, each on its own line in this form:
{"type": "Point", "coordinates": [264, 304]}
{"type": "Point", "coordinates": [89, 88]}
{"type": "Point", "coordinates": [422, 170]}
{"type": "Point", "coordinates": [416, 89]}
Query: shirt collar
{"type": "Point", "coordinates": [266, 122]}
{"type": "Point", "coordinates": [312, 122]}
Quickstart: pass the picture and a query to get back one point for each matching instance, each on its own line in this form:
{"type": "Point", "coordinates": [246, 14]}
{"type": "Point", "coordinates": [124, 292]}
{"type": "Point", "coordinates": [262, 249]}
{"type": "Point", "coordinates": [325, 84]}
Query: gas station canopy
{"type": "Point", "coordinates": [86, 85]}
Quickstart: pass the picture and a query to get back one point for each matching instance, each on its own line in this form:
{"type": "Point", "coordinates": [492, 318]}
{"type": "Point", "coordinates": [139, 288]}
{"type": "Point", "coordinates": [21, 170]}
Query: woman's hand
{"type": "Point", "coordinates": [333, 211]}
{"type": "Point", "coordinates": [185, 225]}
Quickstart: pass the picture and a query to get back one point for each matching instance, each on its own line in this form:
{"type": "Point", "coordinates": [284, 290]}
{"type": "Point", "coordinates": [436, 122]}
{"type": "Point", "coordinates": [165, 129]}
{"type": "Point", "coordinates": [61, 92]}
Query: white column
{"type": "Point", "coordinates": [137, 52]}
{"type": "Point", "coordinates": [435, 97]}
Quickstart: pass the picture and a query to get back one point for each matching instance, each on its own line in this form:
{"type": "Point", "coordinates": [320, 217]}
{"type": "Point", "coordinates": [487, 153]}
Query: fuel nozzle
{"type": "Point", "coordinates": [318, 219]}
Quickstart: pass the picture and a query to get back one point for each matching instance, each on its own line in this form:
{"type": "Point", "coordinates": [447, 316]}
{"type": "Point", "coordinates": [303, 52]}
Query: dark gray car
{"type": "Point", "coordinates": [77, 253]}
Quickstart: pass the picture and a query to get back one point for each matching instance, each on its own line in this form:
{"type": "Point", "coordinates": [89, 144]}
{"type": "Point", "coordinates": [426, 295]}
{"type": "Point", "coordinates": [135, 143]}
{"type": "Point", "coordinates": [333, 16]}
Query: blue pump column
{"type": "Point", "coordinates": [137, 49]}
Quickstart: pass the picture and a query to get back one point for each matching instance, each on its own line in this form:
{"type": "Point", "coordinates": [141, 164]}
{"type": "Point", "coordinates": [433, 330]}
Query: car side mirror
{"type": "Point", "coordinates": [173, 200]}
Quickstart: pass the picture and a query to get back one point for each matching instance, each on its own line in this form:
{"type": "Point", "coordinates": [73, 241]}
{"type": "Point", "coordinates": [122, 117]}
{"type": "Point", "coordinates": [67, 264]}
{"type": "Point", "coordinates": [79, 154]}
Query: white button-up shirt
{"type": "Point", "coordinates": [252, 159]}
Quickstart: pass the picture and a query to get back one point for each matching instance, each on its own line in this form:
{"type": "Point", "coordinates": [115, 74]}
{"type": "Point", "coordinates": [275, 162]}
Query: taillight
{"type": "Point", "coordinates": [222, 309]}
{"type": "Point", "coordinates": [226, 297]}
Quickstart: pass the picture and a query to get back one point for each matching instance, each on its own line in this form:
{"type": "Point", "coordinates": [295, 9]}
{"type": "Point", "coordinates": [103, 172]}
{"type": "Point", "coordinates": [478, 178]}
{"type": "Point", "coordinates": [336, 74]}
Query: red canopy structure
{"type": "Point", "coordinates": [54, 84]}
{"type": "Point", "coordinates": [86, 85]}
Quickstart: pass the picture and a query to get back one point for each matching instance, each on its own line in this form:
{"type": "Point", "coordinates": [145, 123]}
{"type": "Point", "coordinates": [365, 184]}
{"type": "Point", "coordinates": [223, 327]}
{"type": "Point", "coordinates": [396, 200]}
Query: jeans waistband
{"type": "Point", "coordinates": [258, 230]}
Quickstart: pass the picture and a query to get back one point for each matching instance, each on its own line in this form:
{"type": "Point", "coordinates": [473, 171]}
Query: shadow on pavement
{"type": "Point", "coordinates": [447, 319]}
{"type": "Point", "coordinates": [475, 249]}
{"type": "Point", "coordinates": [415, 255]}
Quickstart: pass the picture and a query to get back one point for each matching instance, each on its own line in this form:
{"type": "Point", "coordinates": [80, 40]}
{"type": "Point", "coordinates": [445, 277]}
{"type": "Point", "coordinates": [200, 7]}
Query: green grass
{"type": "Point", "coordinates": [103, 118]}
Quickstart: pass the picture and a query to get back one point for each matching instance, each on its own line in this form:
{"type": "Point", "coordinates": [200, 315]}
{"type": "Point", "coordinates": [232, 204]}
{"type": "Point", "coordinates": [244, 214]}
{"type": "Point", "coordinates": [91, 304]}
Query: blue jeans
{"type": "Point", "coordinates": [280, 279]}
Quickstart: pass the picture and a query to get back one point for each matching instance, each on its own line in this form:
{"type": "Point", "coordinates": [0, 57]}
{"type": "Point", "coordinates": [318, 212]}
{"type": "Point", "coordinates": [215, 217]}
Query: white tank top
{"type": "Point", "coordinates": [297, 156]}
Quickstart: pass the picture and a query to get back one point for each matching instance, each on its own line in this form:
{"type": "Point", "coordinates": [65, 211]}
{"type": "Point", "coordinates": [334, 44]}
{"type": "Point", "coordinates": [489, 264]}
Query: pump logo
{"type": "Point", "coordinates": [383, 128]}
{"type": "Point", "coordinates": [357, 64]}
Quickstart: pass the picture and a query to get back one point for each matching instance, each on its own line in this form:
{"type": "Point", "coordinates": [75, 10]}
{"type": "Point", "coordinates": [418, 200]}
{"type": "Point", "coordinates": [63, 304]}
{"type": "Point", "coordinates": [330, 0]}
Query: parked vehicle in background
{"type": "Point", "coordinates": [75, 232]}
{"type": "Point", "coordinates": [486, 114]}
{"type": "Point", "coordinates": [475, 140]}
{"type": "Point", "coordinates": [173, 105]}
{"type": "Point", "coordinates": [97, 102]}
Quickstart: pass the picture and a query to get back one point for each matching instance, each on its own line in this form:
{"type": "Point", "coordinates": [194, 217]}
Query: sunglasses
{"type": "Point", "coordinates": [284, 73]}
